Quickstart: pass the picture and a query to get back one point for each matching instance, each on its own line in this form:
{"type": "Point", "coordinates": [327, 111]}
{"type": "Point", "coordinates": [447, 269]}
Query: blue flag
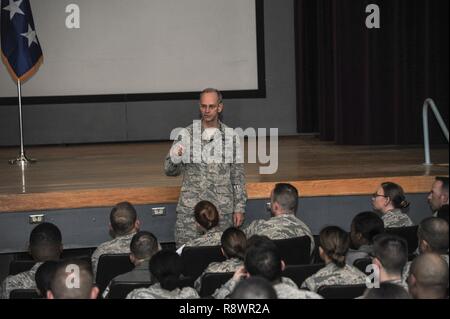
{"type": "Point", "coordinates": [21, 51]}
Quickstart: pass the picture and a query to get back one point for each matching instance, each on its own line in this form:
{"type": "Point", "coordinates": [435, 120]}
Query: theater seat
{"type": "Point", "coordinates": [295, 251]}
{"type": "Point", "coordinates": [24, 294]}
{"type": "Point", "coordinates": [342, 291]}
{"type": "Point", "coordinates": [409, 234]}
{"type": "Point", "coordinates": [119, 290]}
{"type": "Point", "coordinates": [212, 281]}
{"type": "Point", "coordinates": [362, 264]}
{"type": "Point", "coordinates": [110, 266]}
{"type": "Point", "coordinates": [196, 259]}
{"type": "Point", "coordinates": [298, 273]}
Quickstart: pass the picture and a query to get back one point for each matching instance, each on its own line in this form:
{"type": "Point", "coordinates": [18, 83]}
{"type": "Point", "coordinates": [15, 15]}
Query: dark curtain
{"type": "Point", "coordinates": [367, 86]}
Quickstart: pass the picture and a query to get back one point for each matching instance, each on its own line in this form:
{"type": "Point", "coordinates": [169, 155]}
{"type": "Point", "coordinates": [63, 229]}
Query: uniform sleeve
{"type": "Point", "coordinates": [3, 290]}
{"type": "Point", "coordinates": [225, 290]}
{"type": "Point", "coordinates": [238, 179]}
{"type": "Point", "coordinates": [171, 168]}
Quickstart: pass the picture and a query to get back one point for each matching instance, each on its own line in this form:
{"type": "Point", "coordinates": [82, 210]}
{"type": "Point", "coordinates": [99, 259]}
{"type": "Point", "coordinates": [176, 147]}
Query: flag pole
{"type": "Point", "coordinates": [22, 159]}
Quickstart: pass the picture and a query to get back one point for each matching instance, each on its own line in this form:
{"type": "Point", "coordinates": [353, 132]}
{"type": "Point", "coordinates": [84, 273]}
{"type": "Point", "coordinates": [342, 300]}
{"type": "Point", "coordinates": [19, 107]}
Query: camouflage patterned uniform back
{"type": "Point", "coordinates": [210, 238]}
{"type": "Point", "coordinates": [223, 184]}
{"type": "Point", "coordinates": [23, 280]}
{"type": "Point", "coordinates": [280, 227]}
{"type": "Point", "coordinates": [333, 275]}
{"type": "Point", "coordinates": [156, 292]}
{"type": "Point", "coordinates": [395, 218]}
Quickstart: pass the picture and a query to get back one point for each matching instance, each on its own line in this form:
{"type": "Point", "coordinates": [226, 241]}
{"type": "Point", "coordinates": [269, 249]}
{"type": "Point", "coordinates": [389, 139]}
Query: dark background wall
{"type": "Point", "coordinates": [154, 120]}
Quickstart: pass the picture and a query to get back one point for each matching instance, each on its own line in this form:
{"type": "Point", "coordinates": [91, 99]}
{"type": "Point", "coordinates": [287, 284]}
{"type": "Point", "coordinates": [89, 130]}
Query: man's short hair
{"type": "Point", "coordinates": [234, 243]}
{"type": "Point", "coordinates": [434, 231]}
{"type": "Point", "coordinates": [264, 260]}
{"type": "Point", "coordinates": [444, 181]}
{"type": "Point", "coordinates": [64, 285]}
{"type": "Point", "coordinates": [206, 214]}
{"type": "Point", "coordinates": [391, 251]}
{"type": "Point", "coordinates": [45, 242]}
{"type": "Point", "coordinates": [254, 288]}
{"type": "Point", "coordinates": [387, 290]}
{"type": "Point", "coordinates": [166, 266]}
{"type": "Point", "coordinates": [144, 245]}
{"type": "Point", "coordinates": [286, 196]}
{"type": "Point", "coordinates": [431, 273]}
{"type": "Point", "coordinates": [368, 224]}
{"type": "Point", "coordinates": [123, 218]}
{"type": "Point", "coordinates": [44, 276]}
{"type": "Point", "coordinates": [212, 90]}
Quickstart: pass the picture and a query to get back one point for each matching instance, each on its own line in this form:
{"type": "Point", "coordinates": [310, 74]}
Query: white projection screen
{"type": "Point", "coordinates": [143, 48]}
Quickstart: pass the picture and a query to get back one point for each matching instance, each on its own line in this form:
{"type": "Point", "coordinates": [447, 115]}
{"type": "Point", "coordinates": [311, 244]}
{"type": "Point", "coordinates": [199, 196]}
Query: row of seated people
{"type": "Point", "coordinates": [124, 224]}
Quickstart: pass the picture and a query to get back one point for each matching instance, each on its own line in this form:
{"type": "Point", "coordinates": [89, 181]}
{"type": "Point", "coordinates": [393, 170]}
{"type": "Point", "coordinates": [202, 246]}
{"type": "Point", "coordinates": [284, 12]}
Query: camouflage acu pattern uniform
{"type": "Point", "coordinates": [23, 280]}
{"type": "Point", "coordinates": [223, 183]}
{"type": "Point", "coordinates": [280, 227]}
{"type": "Point", "coordinates": [210, 238]}
{"type": "Point", "coordinates": [156, 292]}
{"type": "Point", "coordinates": [407, 268]}
{"type": "Point", "coordinates": [119, 245]}
{"type": "Point", "coordinates": [286, 289]}
{"type": "Point", "coordinates": [229, 265]}
{"type": "Point", "coordinates": [395, 218]}
{"type": "Point", "coordinates": [333, 275]}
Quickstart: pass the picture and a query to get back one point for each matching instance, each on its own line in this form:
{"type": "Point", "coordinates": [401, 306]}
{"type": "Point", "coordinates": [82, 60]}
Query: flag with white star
{"type": "Point", "coordinates": [21, 51]}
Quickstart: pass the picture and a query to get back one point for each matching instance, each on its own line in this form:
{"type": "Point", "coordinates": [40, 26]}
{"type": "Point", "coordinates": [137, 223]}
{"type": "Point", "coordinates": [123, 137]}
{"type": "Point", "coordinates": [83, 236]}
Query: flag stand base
{"type": "Point", "coordinates": [22, 160]}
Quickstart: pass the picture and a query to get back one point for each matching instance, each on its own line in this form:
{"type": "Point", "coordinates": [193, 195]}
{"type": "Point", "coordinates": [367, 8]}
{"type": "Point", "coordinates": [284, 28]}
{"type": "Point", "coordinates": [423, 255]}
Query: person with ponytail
{"type": "Point", "coordinates": [334, 244]}
{"type": "Point", "coordinates": [165, 267]}
{"type": "Point", "coordinates": [233, 246]}
{"type": "Point", "coordinates": [207, 221]}
{"type": "Point", "coordinates": [390, 201]}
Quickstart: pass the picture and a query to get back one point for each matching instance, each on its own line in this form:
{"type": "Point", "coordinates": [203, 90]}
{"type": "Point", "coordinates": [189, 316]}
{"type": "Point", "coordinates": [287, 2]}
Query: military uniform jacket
{"type": "Point", "coordinates": [280, 227]}
{"type": "Point", "coordinates": [395, 218]}
{"type": "Point", "coordinates": [333, 275]}
{"type": "Point", "coordinates": [119, 245]}
{"type": "Point", "coordinates": [221, 183]}
{"type": "Point", "coordinates": [210, 238]}
{"type": "Point", "coordinates": [156, 292]}
{"type": "Point", "coordinates": [23, 280]}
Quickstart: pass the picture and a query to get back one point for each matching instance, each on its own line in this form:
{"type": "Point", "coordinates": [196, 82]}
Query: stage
{"type": "Point", "coordinates": [101, 175]}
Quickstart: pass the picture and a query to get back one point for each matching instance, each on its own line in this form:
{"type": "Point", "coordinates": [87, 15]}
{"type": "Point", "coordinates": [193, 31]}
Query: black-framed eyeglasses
{"type": "Point", "coordinates": [375, 195]}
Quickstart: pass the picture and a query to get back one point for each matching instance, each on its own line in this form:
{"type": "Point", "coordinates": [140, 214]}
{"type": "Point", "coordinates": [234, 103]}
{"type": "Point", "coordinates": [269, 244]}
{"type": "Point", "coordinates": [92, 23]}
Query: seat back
{"type": "Point", "coordinates": [212, 281]}
{"type": "Point", "coordinates": [196, 259]}
{"type": "Point", "coordinates": [24, 294]}
{"type": "Point", "coordinates": [295, 251]}
{"type": "Point", "coordinates": [342, 291]}
{"type": "Point", "coordinates": [110, 266]}
{"type": "Point", "coordinates": [298, 273]}
{"type": "Point", "coordinates": [409, 234]}
{"type": "Point", "coordinates": [119, 290]}
{"type": "Point", "coordinates": [18, 266]}
{"type": "Point", "coordinates": [362, 264]}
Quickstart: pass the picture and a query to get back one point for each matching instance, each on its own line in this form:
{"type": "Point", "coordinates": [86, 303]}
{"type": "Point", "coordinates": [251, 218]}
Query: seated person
{"type": "Point", "coordinates": [263, 259]}
{"type": "Point", "coordinates": [123, 225]}
{"type": "Point", "coordinates": [43, 277]}
{"type": "Point", "coordinates": [390, 254]}
{"type": "Point", "coordinates": [165, 268]}
{"type": "Point", "coordinates": [428, 278]}
{"type": "Point", "coordinates": [433, 238]}
{"type": "Point", "coordinates": [386, 290]}
{"type": "Point", "coordinates": [389, 200]}
{"type": "Point", "coordinates": [207, 221]}
{"type": "Point", "coordinates": [233, 245]}
{"type": "Point", "coordinates": [365, 226]}
{"type": "Point", "coordinates": [45, 244]}
{"type": "Point", "coordinates": [73, 279]}
{"type": "Point", "coordinates": [254, 288]}
{"type": "Point", "coordinates": [283, 224]}
{"type": "Point", "coordinates": [143, 246]}
{"type": "Point", "coordinates": [438, 197]}
{"type": "Point", "coordinates": [334, 244]}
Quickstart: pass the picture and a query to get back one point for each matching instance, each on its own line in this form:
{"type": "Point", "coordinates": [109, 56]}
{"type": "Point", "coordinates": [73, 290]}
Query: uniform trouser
{"type": "Point", "coordinates": [186, 228]}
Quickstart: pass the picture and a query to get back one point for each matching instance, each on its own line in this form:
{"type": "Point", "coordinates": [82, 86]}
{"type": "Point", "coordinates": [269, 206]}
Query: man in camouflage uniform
{"type": "Point", "coordinates": [433, 238]}
{"type": "Point", "coordinates": [207, 154]}
{"type": "Point", "coordinates": [45, 244]}
{"type": "Point", "coordinates": [438, 197]}
{"type": "Point", "coordinates": [123, 225]}
{"type": "Point", "coordinates": [283, 224]}
{"type": "Point", "coordinates": [264, 260]}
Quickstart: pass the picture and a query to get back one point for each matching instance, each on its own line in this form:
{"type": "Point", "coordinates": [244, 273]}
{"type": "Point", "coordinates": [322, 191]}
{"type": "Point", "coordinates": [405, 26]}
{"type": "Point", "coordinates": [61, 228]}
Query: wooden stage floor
{"type": "Point", "coordinates": [101, 175]}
